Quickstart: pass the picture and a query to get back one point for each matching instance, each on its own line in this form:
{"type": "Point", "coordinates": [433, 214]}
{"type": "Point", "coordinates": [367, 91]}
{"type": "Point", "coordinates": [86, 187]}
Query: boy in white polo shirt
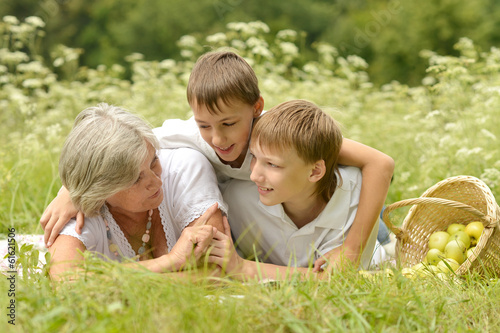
{"type": "Point", "coordinates": [299, 205]}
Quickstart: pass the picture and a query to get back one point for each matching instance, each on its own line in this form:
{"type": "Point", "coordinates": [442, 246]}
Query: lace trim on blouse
{"type": "Point", "coordinates": [198, 211]}
{"type": "Point", "coordinates": [118, 235]}
{"type": "Point", "coordinates": [168, 228]}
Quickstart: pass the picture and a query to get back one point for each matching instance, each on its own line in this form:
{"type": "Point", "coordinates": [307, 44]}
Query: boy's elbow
{"type": "Point", "coordinates": [387, 165]}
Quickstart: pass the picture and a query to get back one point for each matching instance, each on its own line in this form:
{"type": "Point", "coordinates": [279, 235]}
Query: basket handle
{"type": "Point", "coordinates": [487, 221]}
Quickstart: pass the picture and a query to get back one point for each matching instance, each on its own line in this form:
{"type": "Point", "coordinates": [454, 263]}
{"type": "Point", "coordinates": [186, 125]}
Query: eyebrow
{"type": "Point", "coordinates": [220, 121]}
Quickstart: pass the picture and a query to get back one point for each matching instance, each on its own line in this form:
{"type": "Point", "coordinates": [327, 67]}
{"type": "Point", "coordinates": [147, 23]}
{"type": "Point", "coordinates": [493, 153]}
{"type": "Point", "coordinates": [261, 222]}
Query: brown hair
{"type": "Point", "coordinates": [304, 127]}
{"type": "Point", "coordinates": [222, 76]}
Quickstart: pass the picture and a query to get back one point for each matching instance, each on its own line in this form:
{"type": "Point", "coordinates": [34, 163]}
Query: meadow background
{"type": "Point", "coordinates": [436, 122]}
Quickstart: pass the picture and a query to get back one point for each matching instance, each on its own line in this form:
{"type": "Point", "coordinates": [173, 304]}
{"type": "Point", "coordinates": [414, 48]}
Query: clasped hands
{"type": "Point", "coordinates": [202, 243]}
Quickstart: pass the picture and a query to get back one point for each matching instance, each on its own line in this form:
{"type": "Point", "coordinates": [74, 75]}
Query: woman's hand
{"type": "Point", "coordinates": [57, 215]}
{"type": "Point", "coordinates": [192, 244]}
{"type": "Point", "coordinates": [223, 254]}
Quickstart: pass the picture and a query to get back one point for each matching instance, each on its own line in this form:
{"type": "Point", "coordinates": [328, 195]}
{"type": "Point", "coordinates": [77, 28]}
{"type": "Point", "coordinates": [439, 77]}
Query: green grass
{"type": "Point", "coordinates": [111, 298]}
{"type": "Point", "coordinates": [447, 127]}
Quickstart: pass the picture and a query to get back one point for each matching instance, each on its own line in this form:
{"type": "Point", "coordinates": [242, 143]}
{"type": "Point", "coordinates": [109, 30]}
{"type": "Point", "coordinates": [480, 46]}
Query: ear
{"type": "Point", "coordinates": [258, 107]}
{"type": "Point", "coordinates": [318, 171]}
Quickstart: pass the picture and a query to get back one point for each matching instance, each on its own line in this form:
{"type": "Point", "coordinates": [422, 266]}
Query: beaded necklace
{"type": "Point", "coordinates": [145, 238]}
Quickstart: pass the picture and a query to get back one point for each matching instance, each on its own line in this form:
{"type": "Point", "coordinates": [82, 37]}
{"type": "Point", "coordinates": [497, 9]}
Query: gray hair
{"type": "Point", "coordinates": [103, 154]}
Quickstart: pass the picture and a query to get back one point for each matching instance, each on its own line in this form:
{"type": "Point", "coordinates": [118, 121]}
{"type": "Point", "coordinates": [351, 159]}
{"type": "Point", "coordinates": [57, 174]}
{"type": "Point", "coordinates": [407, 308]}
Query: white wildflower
{"type": "Point", "coordinates": [186, 53]}
{"type": "Point", "coordinates": [287, 34]}
{"type": "Point", "coordinates": [413, 188]}
{"type": "Point", "coordinates": [236, 26]}
{"type": "Point", "coordinates": [324, 48]}
{"type": "Point", "coordinates": [468, 152]}
{"type": "Point", "coordinates": [15, 57]}
{"type": "Point", "coordinates": [32, 83]}
{"type": "Point", "coordinates": [32, 67]}
{"type": "Point", "coordinates": [451, 127]}
{"type": "Point", "coordinates": [428, 81]}
{"type": "Point", "coordinates": [10, 19]}
{"type": "Point", "coordinates": [253, 42]}
{"type": "Point", "coordinates": [289, 49]}
{"type": "Point", "coordinates": [258, 26]}
{"type": "Point", "coordinates": [58, 62]}
{"type": "Point", "coordinates": [433, 114]}
{"type": "Point", "coordinates": [167, 64]}
{"type": "Point", "coordinates": [357, 62]}
{"type": "Point", "coordinates": [3, 69]}
{"type": "Point", "coordinates": [262, 51]}
{"type": "Point", "coordinates": [217, 38]}
{"type": "Point", "coordinates": [53, 131]}
{"type": "Point", "coordinates": [311, 68]}
{"type": "Point", "coordinates": [134, 57]}
{"type": "Point", "coordinates": [238, 44]}
{"type": "Point", "coordinates": [35, 21]}
{"type": "Point", "coordinates": [488, 134]}
{"type": "Point", "coordinates": [117, 68]}
{"type": "Point", "coordinates": [187, 41]}
{"type": "Point", "coordinates": [491, 177]}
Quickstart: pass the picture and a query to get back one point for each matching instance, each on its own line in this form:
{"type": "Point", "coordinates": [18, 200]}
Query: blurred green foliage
{"type": "Point", "coordinates": [388, 34]}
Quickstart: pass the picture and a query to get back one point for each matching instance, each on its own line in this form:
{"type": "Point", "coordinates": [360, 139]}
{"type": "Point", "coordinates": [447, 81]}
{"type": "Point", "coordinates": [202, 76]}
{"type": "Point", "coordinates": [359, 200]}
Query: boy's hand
{"type": "Point", "coordinates": [57, 215]}
{"type": "Point", "coordinates": [223, 252]}
{"type": "Point", "coordinates": [338, 258]}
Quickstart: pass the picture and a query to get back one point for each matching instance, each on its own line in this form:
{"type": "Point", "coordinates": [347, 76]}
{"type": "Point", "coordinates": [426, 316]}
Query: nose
{"type": "Point", "coordinates": [218, 138]}
{"type": "Point", "coordinates": [154, 180]}
{"type": "Point", "coordinates": [255, 175]}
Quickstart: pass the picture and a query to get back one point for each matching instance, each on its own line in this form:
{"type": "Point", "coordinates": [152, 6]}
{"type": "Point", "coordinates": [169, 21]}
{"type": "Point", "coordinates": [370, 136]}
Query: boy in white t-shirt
{"type": "Point", "coordinates": [225, 98]}
{"type": "Point", "coordinates": [300, 205]}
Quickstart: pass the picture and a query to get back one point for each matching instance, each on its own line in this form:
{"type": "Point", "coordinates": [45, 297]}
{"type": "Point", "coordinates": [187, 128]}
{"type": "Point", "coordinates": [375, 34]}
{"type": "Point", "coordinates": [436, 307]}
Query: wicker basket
{"type": "Point", "coordinates": [460, 199]}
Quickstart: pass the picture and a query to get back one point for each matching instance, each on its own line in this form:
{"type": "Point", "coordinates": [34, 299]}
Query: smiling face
{"type": "Point", "coordinates": [146, 193]}
{"type": "Point", "coordinates": [228, 130]}
{"type": "Point", "coordinates": [284, 178]}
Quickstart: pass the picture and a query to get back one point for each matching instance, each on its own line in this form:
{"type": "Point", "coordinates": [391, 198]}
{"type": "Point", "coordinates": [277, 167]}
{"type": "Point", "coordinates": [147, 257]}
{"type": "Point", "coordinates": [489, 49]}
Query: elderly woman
{"type": "Point", "coordinates": [139, 203]}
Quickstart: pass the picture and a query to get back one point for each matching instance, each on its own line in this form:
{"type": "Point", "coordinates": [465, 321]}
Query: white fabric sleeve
{"type": "Point", "coordinates": [177, 133]}
{"type": "Point", "coordinates": [91, 233]}
{"type": "Point", "coordinates": [192, 183]}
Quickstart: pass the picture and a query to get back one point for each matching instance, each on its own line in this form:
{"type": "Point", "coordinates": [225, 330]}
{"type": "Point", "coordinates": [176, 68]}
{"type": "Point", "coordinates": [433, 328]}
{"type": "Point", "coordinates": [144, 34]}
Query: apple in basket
{"type": "Point", "coordinates": [434, 256]}
{"type": "Point", "coordinates": [438, 240]}
{"type": "Point", "coordinates": [470, 251]}
{"type": "Point", "coordinates": [454, 227]}
{"type": "Point", "coordinates": [446, 265]}
{"type": "Point", "coordinates": [455, 249]}
{"type": "Point", "coordinates": [474, 230]}
{"type": "Point", "coordinates": [461, 235]}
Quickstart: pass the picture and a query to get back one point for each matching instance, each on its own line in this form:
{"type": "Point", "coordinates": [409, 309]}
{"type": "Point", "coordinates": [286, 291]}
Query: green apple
{"type": "Point", "coordinates": [454, 227]}
{"type": "Point", "coordinates": [434, 256]}
{"type": "Point", "coordinates": [455, 249]}
{"type": "Point", "coordinates": [461, 235]}
{"type": "Point", "coordinates": [470, 251]}
{"type": "Point", "coordinates": [418, 267]}
{"type": "Point", "coordinates": [474, 230]}
{"type": "Point", "coordinates": [438, 240]}
{"type": "Point", "coordinates": [408, 273]}
{"type": "Point", "coordinates": [445, 265]}
{"type": "Point", "coordinates": [423, 270]}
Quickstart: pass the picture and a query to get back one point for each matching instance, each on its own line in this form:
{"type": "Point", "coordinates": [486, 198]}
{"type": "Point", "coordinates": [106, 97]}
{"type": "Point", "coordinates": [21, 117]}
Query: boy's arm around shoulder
{"type": "Point", "coordinates": [178, 133]}
{"type": "Point", "coordinates": [377, 169]}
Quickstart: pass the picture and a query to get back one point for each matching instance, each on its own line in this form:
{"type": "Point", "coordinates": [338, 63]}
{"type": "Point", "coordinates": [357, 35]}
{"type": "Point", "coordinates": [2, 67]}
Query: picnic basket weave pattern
{"type": "Point", "coordinates": [460, 199]}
